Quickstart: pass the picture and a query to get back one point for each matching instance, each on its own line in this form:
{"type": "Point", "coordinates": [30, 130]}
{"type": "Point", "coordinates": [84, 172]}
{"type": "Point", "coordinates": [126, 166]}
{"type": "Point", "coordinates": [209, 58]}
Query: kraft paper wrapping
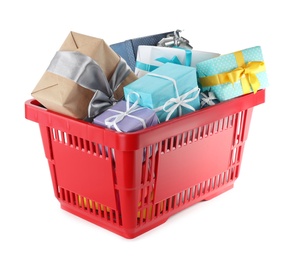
{"type": "Point", "coordinates": [63, 95]}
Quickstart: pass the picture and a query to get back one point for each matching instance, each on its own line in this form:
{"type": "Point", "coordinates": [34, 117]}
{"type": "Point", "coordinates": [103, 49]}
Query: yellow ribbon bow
{"type": "Point", "coordinates": [246, 73]}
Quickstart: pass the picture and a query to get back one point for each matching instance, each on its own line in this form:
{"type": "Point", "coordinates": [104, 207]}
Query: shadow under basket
{"type": "Point", "coordinates": [130, 183]}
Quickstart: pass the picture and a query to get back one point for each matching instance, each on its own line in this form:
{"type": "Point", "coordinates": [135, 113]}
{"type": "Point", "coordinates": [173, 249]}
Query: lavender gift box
{"type": "Point", "coordinates": [125, 116]}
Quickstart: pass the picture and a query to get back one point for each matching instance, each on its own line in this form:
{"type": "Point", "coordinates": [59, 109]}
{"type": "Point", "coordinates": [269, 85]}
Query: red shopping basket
{"type": "Point", "coordinates": [130, 183]}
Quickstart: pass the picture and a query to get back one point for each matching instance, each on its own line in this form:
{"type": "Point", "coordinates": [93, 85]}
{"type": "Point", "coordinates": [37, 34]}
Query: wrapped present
{"type": "Point", "coordinates": [84, 78]}
{"type": "Point", "coordinates": [208, 98]}
{"type": "Point", "coordinates": [170, 90]}
{"type": "Point", "coordinates": [151, 57]}
{"type": "Point", "coordinates": [233, 74]}
{"type": "Point", "coordinates": [128, 49]}
{"type": "Point", "coordinates": [125, 116]}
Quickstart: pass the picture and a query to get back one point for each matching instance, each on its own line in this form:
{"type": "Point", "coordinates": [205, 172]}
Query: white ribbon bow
{"type": "Point", "coordinates": [177, 102]}
{"type": "Point", "coordinates": [208, 99]}
{"type": "Point", "coordinates": [112, 121]}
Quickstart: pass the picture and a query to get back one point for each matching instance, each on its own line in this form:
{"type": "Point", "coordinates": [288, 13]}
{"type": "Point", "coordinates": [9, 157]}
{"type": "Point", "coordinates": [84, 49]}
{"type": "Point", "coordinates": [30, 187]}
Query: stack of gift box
{"type": "Point", "coordinates": [143, 82]}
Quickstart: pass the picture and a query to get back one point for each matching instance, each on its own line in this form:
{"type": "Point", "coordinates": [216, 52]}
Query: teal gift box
{"type": "Point", "coordinates": [234, 74]}
{"type": "Point", "coordinates": [171, 90]}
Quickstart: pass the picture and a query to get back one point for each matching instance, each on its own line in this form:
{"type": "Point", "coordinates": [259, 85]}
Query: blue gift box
{"type": "Point", "coordinates": [234, 74]}
{"type": "Point", "coordinates": [125, 116]}
{"type": "Point", "coordinates": [170, 90]}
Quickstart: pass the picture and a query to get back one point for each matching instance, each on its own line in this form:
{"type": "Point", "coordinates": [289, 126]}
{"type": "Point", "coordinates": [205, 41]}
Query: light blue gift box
{"type": "Point", "coordinates": [230, 87]}
{"type": "Point", "coordinates": [171, 90]}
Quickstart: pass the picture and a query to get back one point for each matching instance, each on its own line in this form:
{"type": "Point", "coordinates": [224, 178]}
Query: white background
{"type": "Point", "coordinates": [255, 220]}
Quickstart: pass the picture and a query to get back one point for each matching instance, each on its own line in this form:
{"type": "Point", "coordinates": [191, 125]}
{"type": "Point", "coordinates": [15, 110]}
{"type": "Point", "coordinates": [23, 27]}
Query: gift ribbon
{"type": "Point", "coordinates": [207, 99]}
{"type": "Point", "coordinates": [174, 59]}
{"type": "Point", "coordinates": [112, 121]}
{"type": "Point", "coordinates": [188, 55]}
{"type": "Point", "coordinates": [178, 102]}
{"type": "Point", "coordinates": [245, 72]}
{"type": "Point", "coordinates": [87, 73]}
{"type": "Point", "coordinates": [148, 67]}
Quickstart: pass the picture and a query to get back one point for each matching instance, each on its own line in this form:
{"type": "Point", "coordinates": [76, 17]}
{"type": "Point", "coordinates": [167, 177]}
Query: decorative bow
{"type": "Point", "coordinates": [207, 98]}
{"type": "Point", "coordinates": [175, 40]}
{"type": "Point", "coordinates": [112, 121]}
{"type": "Point", "coordinates": [178, 102]}
{"type": "Point", "coordinates": [87, 73]}
{"type": "Point", "coordinates": [149, 67]}
{"type": "Point", "coordinates": [181, 101]}
{"type": "Point", "coordinates": [174, 59]}
{"type": "Point", "coordinates": [245, 72]}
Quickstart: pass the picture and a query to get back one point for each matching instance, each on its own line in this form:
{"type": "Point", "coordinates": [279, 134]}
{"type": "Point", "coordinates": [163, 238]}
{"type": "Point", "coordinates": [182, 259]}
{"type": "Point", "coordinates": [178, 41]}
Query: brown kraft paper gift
{"type": "Point", "coordinates": [64, 95]}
